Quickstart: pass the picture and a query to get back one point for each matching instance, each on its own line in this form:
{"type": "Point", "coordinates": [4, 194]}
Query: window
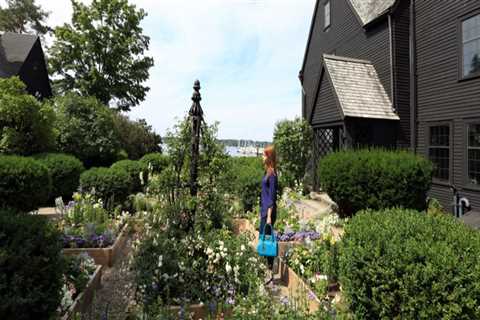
{"type": "Point", "coordinates": [471, 46]}
{"type": "Point", "coordinates": [439, 151]}
{"type": "Point", "coordinates": [474, 153]}
{"type": "Point", "coordinates": [327, 14]}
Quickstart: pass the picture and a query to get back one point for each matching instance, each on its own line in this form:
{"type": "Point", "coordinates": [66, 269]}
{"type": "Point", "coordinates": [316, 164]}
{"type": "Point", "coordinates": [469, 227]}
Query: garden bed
{"type": "Point", "coordinates": [295, 284]}
{"type": "Point", "coordinates": [103, 256]}
{"type": "Point", "coordinates": [85, 298]}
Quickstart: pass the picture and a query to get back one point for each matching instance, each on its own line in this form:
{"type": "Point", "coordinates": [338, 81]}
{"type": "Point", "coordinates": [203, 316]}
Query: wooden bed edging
{"type": "Point", "coordinates": [103, 256]}
{"type": "Point", "coordinates": [85, 298]}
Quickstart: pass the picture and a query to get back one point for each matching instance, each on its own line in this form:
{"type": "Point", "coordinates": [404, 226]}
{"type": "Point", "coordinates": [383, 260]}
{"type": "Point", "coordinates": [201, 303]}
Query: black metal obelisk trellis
{"type": "Point", "coordinates": [196, 119]}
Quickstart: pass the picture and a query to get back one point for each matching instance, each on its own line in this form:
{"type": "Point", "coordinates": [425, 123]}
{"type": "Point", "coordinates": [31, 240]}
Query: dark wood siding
{"type": "Point", "coordinates": [442, 96]}
{"type": "Point", "coordinates": [345, 37]}
{"type": "Point", "coordinates": [326, 109]}
{"type": "Point", "coordinates": [401, 49]}
{"type": "Point", "coordinates": [34, 73]}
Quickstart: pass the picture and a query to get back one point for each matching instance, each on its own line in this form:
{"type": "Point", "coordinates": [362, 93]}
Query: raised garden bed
{"type": "Point", "coordinates": [296, 284]}
{"type": "Point", "coordinates": [84, 300]}
{"type": "Point", "coordinates": [104, 256]}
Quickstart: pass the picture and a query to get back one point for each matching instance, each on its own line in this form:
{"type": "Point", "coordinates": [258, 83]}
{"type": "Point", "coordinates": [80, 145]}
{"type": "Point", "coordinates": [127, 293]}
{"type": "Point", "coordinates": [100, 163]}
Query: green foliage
{"type": "Point", "coordinates": [65, 171]}
{"type": "Point", "coordinates": [31, 267]}
{"type": "Point", "coordinates": [136, 170]}
{"type": "Point", "coordinates": [25, 183]}
{"type": "Point", "coordinates": [402, 264]}
{"type": "Point", "coordinates": [293, 141]}
{"type": "Point", "coordinates": [375, 179]}
{"type": "Point", "coordinates": [246, 180]}
{"type": "Point", "coordinates": [86, 130]}
{"type": "Point", "coordinates": [111, 185]}
{"type": "Point", "coordinates": [23, 16]}
{"type": "Point", "coordinates": [137, 138]}
{"type": "Point", "coordinates": [101, 53]}
{"type": "Point", "coordinates": [25, 124]}
{"type": "Point", "coordinates": [156, 161]}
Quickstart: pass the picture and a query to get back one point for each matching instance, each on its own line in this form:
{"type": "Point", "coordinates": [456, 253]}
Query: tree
{"type": "Point", "coordinates": [23, 16]}
{"type": "Point", "coordinates": [86, 129]}
{"type": "Point", "coordinates": [101, 53]}
{"type": "Point", "coordinates": [137, 138]}
{"type": "Point", "coordinates": [293, 142]}
{"type": "Point", "coordinates": [25, 123]}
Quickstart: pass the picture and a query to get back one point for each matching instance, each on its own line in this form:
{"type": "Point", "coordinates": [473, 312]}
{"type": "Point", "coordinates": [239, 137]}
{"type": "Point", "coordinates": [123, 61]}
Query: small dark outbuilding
{"type": "Point", "coordinates": [22, 55]}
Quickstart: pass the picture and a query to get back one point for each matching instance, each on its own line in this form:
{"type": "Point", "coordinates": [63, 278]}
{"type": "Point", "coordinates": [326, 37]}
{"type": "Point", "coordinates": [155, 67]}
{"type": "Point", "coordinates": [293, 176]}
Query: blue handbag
{"type": "Point", "coordinates": [267, 244]}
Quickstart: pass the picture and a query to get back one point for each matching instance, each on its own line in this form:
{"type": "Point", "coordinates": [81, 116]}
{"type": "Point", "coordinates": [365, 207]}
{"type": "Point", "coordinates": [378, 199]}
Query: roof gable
{"type": "Point", "coordinates": [14, 50]}
{"type": "Point", "coordinates": [358, 88]}
{"type": "Point", "coordinates": [369, 10]}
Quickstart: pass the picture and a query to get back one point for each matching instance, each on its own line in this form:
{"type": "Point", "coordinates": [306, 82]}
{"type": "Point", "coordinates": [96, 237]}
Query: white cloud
{"type": "Point", "coordinates": [246, 53]}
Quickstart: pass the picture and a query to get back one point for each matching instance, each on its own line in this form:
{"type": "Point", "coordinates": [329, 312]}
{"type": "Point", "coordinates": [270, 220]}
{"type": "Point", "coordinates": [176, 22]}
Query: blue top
{"type": "Point", "coordinates": [268, 197]}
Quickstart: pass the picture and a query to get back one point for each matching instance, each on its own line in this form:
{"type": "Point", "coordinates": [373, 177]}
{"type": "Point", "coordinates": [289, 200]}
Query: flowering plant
{"type": "Point", "coordinates": [87, 224]}
{"type": "Point", "coordinates": [79, 271]}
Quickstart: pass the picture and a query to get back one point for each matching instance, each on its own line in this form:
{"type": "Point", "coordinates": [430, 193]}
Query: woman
{"type": "Point", "coordinates": [268, 207]}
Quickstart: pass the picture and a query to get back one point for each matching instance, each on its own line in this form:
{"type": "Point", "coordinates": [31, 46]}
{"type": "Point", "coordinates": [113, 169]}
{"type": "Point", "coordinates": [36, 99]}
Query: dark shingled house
{"type": "Point", "coordinates": [22, 55]}
{"type": "Point", "coordinates": [403, 74]}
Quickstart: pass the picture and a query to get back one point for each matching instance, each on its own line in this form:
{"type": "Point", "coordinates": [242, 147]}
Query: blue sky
{"type": "Point", "coordinates": [246, 54]}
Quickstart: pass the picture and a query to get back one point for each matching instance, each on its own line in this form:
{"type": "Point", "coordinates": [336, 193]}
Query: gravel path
{"type": "Point", "coordinates": [111, 300]}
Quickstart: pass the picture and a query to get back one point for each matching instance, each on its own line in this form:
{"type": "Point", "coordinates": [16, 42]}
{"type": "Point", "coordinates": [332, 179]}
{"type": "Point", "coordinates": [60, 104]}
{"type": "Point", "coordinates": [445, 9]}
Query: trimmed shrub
{"type": "Point", "coordinates": [135, 169]}
{"type": "Point", "coordinates": [25, 183]}
{"type": "Point", "coordinates": [402, 264]}
{"type": "Point", "coordinates": [113, 186]}
{"type": "Point", "coordinates": [375, 179]}
{"type": "Point", "coordinates": [247, 180]}
{"type": "Point", "coordinates": [31, 267]}
{"type": "Point", "coordinates": [157, 161]}
{"type": "Point", "coordinates": [65, 171]}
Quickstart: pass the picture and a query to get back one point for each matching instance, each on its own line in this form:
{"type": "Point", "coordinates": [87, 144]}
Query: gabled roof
{"type": "Point", "coordinates": [14, 50]}
{"type": "Point", "coordinates": [358, 89]}
{"type": "Point", "coordinates": [369, 10]}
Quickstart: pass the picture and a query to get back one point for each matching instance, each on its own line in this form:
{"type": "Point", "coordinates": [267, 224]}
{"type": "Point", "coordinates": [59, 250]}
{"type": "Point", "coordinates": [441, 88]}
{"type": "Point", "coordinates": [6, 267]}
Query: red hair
{"type": "Point", "coordinates": [271, 160]}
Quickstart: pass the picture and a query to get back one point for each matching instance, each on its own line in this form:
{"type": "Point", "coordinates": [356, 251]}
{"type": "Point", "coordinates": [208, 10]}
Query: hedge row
{"type": "Point", "coordinates": [402, 264]}
{"type": "Point", "coordinates": [375, 179]}
{"type": "Point", "coordinates": [246, 180]}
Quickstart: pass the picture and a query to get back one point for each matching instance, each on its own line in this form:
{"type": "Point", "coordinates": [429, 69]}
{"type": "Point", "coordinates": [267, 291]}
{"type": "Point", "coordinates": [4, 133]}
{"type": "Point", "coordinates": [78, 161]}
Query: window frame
{"type": "Point", "coordinates": [325, 26]}
{"type": "Point", "coordinates": [435, 180]}
{"type": "Point", "coordinates": [466, 175]}
{"type": "Point", "coordinates": [461, 20]}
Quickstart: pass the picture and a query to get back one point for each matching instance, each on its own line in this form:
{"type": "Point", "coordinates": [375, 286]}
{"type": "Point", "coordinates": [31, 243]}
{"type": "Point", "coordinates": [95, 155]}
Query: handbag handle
{"type": "Point", "coordinates": [271, 229]}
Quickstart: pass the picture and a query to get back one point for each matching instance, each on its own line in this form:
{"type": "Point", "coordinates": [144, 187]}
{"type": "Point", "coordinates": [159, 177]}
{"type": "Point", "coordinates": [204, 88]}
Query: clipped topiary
{"type": "Point", "coordinates": [157, 161]}
{"type": "Point", "coordinates": [136, 170]}
{"type": "Point", "coordinates": [25, 183]}
{"type": "Point", "coordinates": [31, 267]}
{"type": "Point", "coordinates": [375, 179]}
{"type": "Point", "coordinates": [402, 264]}
{"type": "Point", "coordinates": [65, 171]}
{"type": "Point", "coordinates": [111, 185]}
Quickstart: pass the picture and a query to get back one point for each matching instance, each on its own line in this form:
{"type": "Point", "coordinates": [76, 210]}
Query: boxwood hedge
{"type": "Point", "coordinates": [31, 267]}
{"type": "Point", "coordinates": [402, 264]}
{"type": "Point", "coordinates": [136, 170]}
{"type": "Point", "coordinates": [375, 179]}
{"type": "Point", "coordinates": [156, 160]}
{"type": "Point", "coordinates": [110, 184]}
{"type": "Point", "coordinates": [25, 183]}
{"type": "Point", "coordinates": [65, 171]}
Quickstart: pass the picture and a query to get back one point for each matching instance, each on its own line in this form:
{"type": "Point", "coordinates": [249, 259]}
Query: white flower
{"type": "Point", "coordinates": [242, 247]}
{"type": "Point", "coordinates": [228, 268]}
{"type": "Point", "coordinates": [160, 260]}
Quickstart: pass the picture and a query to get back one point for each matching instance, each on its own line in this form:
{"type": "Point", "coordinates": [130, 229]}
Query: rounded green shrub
{"type": "Point", "coordinates": [375, 179]}
{"type": "Point", "coordinates": [247, 180]}
{"type": "Point", "coordinates": [65, 171]}
{"type": "Point", "coordinates": [25, 183]}
{"type": "Point", "coordinates": [111, 185]}
{"type": "Point", "coordinates": [402, 264]}
{"type": "Point", "coordinates": [136, 170]}
{"type": "Point", "coordinates": [157, 161]}
{"type": "Point", "coordinates": [31, 267]}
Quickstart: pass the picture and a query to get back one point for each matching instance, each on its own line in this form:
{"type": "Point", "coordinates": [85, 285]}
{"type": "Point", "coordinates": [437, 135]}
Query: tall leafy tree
{"type": "Point", "coordinates": [23, 16]}
{"type": "Point", "coordinates": [101, 53]}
